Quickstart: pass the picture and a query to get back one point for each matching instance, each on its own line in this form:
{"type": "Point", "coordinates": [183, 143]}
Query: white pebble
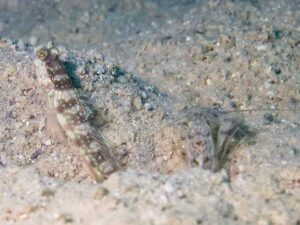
{"type": "Point", "coordinates": [48, 142]}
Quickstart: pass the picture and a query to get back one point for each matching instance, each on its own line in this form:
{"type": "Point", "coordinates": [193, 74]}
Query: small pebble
{"type": "Point", "coordinates": [208, 81]}
{"type": "Point", "coordinates": [137, 102]}
{"type": "Point", "coordinates": [144, 95]}
{"type": "Point", "coordinates": [37, 153]}
{"type": "Point", "coordinates": [48, 142]}
{"type": "Point", "coordinates": [188, 38]}
{"type": "Point", "coordinates": [3, 161]}
{"type": "Point", "coordinates": [80, 70]}
{"type": "Point", "coordinates": [148, 106]}
{"type": "Point", "coordinates": [262, 47]}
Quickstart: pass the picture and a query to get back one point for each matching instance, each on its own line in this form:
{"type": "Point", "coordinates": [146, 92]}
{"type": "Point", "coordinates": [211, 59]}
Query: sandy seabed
{"type": "Point", "coordinates": [149, 69]}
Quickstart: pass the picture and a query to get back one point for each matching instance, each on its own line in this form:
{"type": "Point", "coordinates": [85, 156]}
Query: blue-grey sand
{"type": "Point", "coordinates": [198, 101]}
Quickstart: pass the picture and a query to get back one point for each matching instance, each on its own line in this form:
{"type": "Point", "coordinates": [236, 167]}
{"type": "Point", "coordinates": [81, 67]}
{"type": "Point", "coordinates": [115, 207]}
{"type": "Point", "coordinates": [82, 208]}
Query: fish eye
{"type": "Point", "coordinates": [42, 54]}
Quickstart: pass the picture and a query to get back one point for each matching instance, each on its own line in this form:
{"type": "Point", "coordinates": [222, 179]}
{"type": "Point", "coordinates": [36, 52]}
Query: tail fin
{"type": "Point", "coordinates": [100, 158]}
{"type": "Point", "coordinates": [105, 151]}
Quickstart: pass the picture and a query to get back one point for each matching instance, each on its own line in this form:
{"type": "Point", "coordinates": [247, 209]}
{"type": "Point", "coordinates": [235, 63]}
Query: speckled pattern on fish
{"type": "Point", "coordinates": [74, 117]}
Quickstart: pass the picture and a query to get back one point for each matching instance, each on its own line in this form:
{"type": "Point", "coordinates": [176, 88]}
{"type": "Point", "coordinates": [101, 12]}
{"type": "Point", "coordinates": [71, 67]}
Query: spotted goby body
{"type": "Point", "coordinates": [73, 116]}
